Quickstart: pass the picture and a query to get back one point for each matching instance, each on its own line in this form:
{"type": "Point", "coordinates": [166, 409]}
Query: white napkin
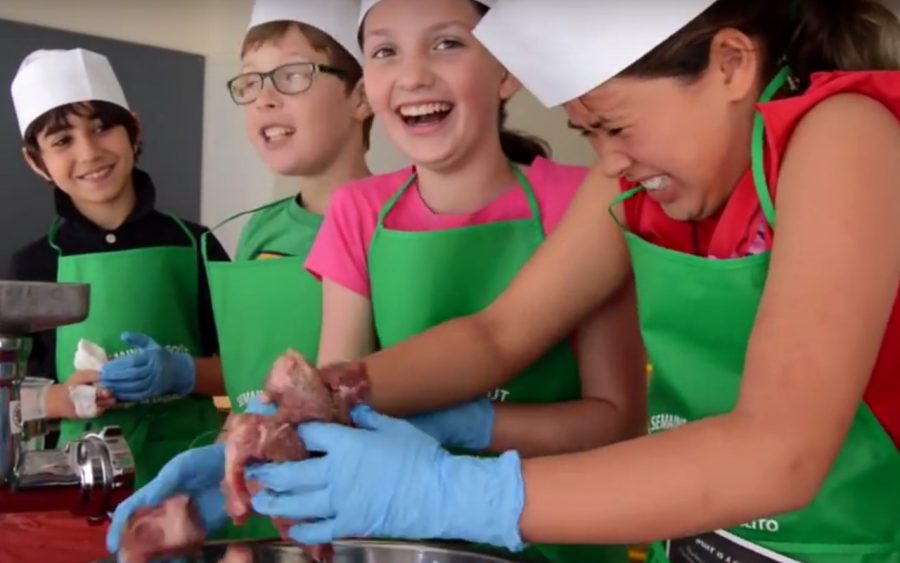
{"type": "Point", "coordinates": [88, 356]}
{"type": "Point", "coordinates": [84, 397]}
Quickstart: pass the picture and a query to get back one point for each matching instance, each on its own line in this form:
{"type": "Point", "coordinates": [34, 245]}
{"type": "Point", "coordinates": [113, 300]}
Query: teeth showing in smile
{"type": "Point", "coordinates": [415, 114]}
{"type": "Point", "coordinates": [276, 132]}
{"type": "Point", "coordinates": [656, 182]}
{"type": "Point", "coordinates": [424, 109]}
{"type": "Point", "coordinates": [98, 174]}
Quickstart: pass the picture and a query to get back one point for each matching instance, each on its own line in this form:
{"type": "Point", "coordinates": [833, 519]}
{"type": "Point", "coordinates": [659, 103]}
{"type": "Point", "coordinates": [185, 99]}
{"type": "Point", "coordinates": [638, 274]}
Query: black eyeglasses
{"type": "Point", "coordinates": [292, 78]}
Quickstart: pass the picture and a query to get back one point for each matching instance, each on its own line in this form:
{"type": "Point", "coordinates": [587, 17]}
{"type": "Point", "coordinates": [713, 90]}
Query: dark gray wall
{"type": "Point", "coordinates": [164, 87]}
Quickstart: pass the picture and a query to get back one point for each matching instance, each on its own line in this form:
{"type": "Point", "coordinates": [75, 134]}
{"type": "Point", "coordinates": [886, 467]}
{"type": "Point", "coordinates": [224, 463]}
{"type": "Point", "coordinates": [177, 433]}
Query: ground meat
{"type": "Point", "coordinates": [302, 393]}
{"type": "Point", "coordinates": [171, 529]}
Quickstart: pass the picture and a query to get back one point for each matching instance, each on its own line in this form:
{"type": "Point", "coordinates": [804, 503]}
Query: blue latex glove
{"type": "Point", "coordinates": [388, 479]}
{"type": "Point", "coordinates": [148, 371]}
{"type": "Point", "coordinates": [256, 406]}
{"type": "Point", "coordinates": [197, 472]}
{"type": "Point", "coordinates": [468, 425]}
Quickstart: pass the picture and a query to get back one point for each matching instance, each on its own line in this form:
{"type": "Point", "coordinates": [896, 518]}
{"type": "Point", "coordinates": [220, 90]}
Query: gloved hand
{"type": "Point", "coordinates": [467, 425]}
{"type": "Point", "coordinates": [256, 406]}
{"type": "Point", "coordinates": [148, 371]}
{"type": "Point", "coordinates": [197, 472]}
{"type": "Point", "coordinates": [388, 479]}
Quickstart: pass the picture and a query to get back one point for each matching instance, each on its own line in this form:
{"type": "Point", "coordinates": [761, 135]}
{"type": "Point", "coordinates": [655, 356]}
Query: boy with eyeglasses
{"type": "Point", "coordinates": [306, 114]}
{"type": "Point", "coordinates": [300, 87]}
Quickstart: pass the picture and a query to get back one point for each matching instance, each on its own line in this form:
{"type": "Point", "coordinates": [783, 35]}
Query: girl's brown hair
{"type": "Point", "coordinates": [517, 146]}
{"type": "Point", "coordinates": [807, 35]}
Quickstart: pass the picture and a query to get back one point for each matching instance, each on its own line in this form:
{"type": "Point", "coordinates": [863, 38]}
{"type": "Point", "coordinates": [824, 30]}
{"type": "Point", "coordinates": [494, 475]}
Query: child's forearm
{"type": "Point", "coordinates": [559, 428]}
{"type": "Point", "coordinates": [50, 401]}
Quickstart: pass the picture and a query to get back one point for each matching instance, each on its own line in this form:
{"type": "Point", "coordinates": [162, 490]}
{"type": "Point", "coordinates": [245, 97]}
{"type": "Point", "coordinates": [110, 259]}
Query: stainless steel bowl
{"type": "Point", "coordinates": [362, 551]}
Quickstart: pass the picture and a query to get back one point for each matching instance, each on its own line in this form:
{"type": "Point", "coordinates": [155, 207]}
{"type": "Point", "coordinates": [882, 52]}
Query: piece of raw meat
{"type": "Point", "coordinates": [302, 393]}
{"type": "Point", "coordinates": [238, 553]}
{"type": "Point", "coordinates": [298, 389]}
{"type": "Point", "coordinates": [171, 529]}
{"type": "Point", "coordinates": [253, 438]}
{"type": "Point", "coordinates": [349, 386]}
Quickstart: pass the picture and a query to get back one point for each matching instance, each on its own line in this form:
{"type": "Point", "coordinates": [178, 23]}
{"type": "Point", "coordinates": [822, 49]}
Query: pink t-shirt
{"type": "Point", "coordinates": [341, 250]}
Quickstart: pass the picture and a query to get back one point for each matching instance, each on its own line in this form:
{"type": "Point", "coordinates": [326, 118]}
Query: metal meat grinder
{"type": "Point", "coordinates": [89, 476]}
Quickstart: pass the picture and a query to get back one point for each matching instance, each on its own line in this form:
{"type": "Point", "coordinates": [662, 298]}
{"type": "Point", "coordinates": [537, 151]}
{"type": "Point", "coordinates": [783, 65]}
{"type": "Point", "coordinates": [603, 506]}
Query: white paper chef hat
{"type": "Point", "coordinates": [48, 79]}
{"type": "Point", "coordinates": [561, 49]}
{"type": "Point", "coordinates": [368, 4]}
{"type": "Point", "coordinates": [337, 18]}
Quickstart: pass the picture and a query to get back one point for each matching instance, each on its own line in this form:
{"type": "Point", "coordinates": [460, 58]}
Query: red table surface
{"type": "Point", "coordinates": [50, 537]}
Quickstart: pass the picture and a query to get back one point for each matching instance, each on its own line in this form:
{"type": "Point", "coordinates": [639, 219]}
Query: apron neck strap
{"type": "Point", "coordinates": [204, 238]}
{"type": "Point", "coordinates": [517, 172]}
{"type": "Point", "coordinates": [757, 147]}
{"type": "Point", "coordinates": [529, 194]}
{"type": "Point", "coordinates": [386, 208]}
{"type": "Point", "coordinates": [184, 228]}
{"type": "Point", "coordinates": [54, 230]}
{"type": "Point", "coordinates": [621, 199]}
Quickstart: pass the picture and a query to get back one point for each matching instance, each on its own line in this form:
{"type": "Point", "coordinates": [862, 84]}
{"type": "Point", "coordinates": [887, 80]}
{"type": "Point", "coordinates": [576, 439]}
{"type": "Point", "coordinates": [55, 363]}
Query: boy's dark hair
{"type": "Point", "coordinates": [337, 55]}
{"type": "Point", "coordinates": [57, 119]}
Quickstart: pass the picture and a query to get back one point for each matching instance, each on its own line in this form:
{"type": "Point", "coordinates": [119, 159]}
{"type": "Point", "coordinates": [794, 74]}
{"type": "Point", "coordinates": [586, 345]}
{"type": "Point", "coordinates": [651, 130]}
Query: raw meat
{"type": "Point", "coordinates": [171, 529]}
{"type": "Point", "coordinates": [254, 438]}
{"type": "Point", "coordinates": [238, 554]}
{"type": "Point", "coordinates": [349, 386]}
{"type": "Point", "coordinates": [298, 390]}
{"type": "Point", "coordinates": [302, 393]}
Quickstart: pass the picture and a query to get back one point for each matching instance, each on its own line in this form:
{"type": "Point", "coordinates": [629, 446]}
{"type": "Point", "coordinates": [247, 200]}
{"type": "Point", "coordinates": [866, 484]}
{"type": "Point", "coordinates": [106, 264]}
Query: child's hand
{"type": "Point", "coordinates": [59, 404]}
{"type": "Point", "coordinates": [105, 398]}
{"type": "Point", "coordinates": [83, 377]}
{"type": "Point", "coordinates": [59, 397]}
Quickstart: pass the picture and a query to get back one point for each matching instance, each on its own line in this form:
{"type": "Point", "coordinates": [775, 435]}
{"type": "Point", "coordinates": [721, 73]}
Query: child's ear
{"type": "Point", "coordinates": [361, 108]}
{"type": "Point", "coordinates": [139, 138]}
{"type": "Point", "coordinates": [37, 167]}
{"type": "Point", "coordinates": [735, 59]}
{"type": "Point", "coordinates": [509, 87]}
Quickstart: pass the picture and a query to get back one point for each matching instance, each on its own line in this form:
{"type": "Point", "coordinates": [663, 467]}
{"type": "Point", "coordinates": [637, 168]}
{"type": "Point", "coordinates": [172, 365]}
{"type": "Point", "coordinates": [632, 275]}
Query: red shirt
{"type": "Point", "coordinates": [740, 229]}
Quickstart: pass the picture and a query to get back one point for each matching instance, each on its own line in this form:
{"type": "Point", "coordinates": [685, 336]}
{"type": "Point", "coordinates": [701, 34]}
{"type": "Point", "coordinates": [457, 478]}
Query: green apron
{"type": "Point", "coordinates": [262, 308]}
{"type": "Point", "coordinates": [421, 279]}
{"type": "Point", "coordinates": [696, 332]}
{"type": "Point", "coordinates": [153, 291]}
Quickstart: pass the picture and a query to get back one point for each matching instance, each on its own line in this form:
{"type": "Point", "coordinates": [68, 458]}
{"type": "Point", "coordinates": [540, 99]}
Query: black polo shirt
{"type": "Point", "coordinates": [145, 227]}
